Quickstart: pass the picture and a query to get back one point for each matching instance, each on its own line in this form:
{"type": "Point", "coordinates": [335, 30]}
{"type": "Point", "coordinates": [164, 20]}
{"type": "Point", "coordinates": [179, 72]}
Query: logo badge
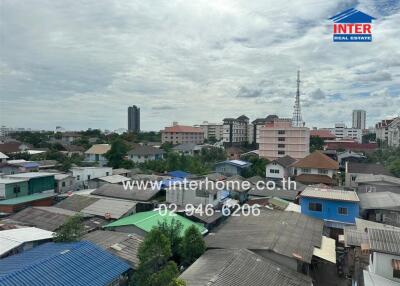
{"type": "Point", "coordinates": [352, 26]}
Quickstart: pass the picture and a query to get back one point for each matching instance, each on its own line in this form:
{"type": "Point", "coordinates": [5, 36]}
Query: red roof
{"type": "Point", "coordinates": [183, 129]}
{"type": "Point", "coordinates": [317, 160]}
{"type": "Point", "coordinates": [353, 146]}
{"type": "Point", "coordinates": [322, 133]}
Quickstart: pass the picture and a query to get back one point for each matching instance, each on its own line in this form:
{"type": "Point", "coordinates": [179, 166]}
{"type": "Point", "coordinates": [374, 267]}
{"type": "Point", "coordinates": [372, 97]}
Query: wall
{"type": "Point", "coordinates": [381, 264]}
{"type": "Point", "coordinates": [8, 190]}
{"type": "Point", "coordinates": [227, 169]}
{"type": "Point", "coordinates": [330, 173]}
{"type": "Point", "coordinates": [182, 197]}
{"type": "Point", "coordinates": [330, 209]}
{"type": "Point", "coordinates": [144, 158]}
{"type": "Point", "coordinates": [41, 184]}
{"type": "Point", "coordinates": [274, 166]}
{"type": "Point", "coordinates": [100, 159]}
{"type": "Point", "coordinates": [69, 184]}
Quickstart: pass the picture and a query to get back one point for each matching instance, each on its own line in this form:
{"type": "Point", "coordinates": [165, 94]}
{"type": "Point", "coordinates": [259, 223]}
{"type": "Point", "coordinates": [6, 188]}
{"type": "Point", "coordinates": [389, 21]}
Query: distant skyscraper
{"type": "Point", "coordinates": [359, 117]}
{"type": "Point", "coordinates": [133, 119]}
{"type": "Point", "coordinates": [297, 120]}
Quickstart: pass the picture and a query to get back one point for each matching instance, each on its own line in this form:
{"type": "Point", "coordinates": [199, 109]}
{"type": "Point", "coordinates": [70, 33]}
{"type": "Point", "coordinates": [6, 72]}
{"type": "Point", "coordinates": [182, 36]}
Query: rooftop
{"type": "Point", "coordinates": [380, 200]}
{"type": "Point", "coordinates": [240, 267]}
{"type": "Point", "coordinates": [5, 180]}
{"type": "Point", "coordinates": [26, 199]}
{"type": "Point", "coordinates": [330, 194]}
{"type": "Point", "coordinates": [31, 175]}
{"type": "Point", "coordinates": [317, 160]}
{"type": "Point", "coordinates": [114, 209]}
{"type": "Point", "coordinates": [114, 179]}
{"type": "Point", "coordinates": [322, 133]}
{"type": "Point", "coordinates": [384, 240]}
{"type": "Point", "coordinates": [289, 234]}
{"type": "Point", "coordinates": [147, 220]}
{"type": "Point", "coordinates": [41, 266]}
{"type": "Point", "coordinates": [183, 129]}
{"type": "Point", "coordinates": [99, 149]}
{"type": "Point", "coordinates": [144, 150]}
{"type": "Point", "coordinates": [119, 192]}
{"type": "Point", "coordinates": [367, 168]}
{"type": "Point", "coordinates": [237, 163]}
{"type": "Point", "coordinates": [315, 179]}
{"type": "Point", "coordinates": [285, 161]}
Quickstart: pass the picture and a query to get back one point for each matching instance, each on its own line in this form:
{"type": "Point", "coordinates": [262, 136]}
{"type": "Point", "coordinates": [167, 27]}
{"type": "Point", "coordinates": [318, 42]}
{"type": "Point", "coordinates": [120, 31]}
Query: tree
{"type": "Point", "coordinates": [193, 245]}
{"type": "Point", "coordinates": [116, 154]}
{"type": "Point", "coordinates": [173, 232]}
{"type": "Point", "coordinates": [316, 143]}
{"type": "Point", "coordinates": [154, 268]}
{"type": "Point", "coordinates": [72, 230]}
{"type": "Point", "coordinates": [177, 282]}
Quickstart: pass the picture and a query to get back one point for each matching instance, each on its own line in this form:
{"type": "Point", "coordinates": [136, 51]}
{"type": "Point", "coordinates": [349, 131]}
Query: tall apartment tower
{"type": "Point", "coordinates": [359, 117]}
{"type": "Point", "coordinates": [297, 120]}
{"type": "Point", "coordinates": [133, 119]}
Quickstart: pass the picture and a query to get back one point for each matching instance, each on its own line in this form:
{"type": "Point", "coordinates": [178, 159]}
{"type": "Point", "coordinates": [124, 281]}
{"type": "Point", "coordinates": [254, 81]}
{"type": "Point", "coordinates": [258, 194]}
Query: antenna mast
{"type": "Point", "coordinates": [297, 120]}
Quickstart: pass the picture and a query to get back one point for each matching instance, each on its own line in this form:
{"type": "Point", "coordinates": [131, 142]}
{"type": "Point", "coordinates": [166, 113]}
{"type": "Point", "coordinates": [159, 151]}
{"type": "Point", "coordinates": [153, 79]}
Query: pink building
{"type": "Point", "coordinates": [279, 139]}
{"type": "Point", "coordinates": [180, 134]}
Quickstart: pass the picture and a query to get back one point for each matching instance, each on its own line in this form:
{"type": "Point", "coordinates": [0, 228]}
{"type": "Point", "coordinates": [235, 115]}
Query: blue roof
{"type": "Point", "coordinates": [170, 182]}
{"type": "Point", "coordinates": [79, 263]}
{"type": "Point", "coordinates": [30, 165]}
{"type": "Point", "coordinates": [178, 174]}
{"type": "Point", "coordinates": [236, 163]}
{"type": "Point", "coordinates": [352, 16]}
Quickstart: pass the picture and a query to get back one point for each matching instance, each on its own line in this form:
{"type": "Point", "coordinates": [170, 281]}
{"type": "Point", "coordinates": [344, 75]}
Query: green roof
{"type": "Point", "coordinates": [26, 199]}
{"type": "Point", "coordinates": [147, 220]}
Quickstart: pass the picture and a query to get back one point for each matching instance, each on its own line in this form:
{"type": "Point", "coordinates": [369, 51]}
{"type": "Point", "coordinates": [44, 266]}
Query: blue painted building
{"type": "Point", "coordinates": [336, 207]}
{"type": "Point", "coordinates": [80, 263]}
{"type": "Point", "coordinates": [231, 167]}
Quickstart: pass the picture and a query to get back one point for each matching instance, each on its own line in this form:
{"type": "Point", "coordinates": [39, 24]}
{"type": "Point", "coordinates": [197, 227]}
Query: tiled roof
{"type": "Point", "coordinates": [317, 160]}
{"type": "Point", "coordinates": [183, 129]}
{"type": "Point", "coordinates": [315, 179]}
{"type": "Point", "coordinates": [330, 194]}
{"type": "Point", "coordinates": [322, 134]}
{"type": "Point", "coordinates": [99, 149]}
{"type": "Point", "coordinates": [351, 146]}
{"type": "Point", "coordinates": [367, 168]}
{"type": "Point", "coordinates": [80, 263]}
{"type": "Point", "coordinates": [145, 150]}
{"type": "Point", "coordinates": [285, 161]}
{"type": "Point", "coordinates": [240, 267]}
{"type": "Point", "coordinates": [290, 234]}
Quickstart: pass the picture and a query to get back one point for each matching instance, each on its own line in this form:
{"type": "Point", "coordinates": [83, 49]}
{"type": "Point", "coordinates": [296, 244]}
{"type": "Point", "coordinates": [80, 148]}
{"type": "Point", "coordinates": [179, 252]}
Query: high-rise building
{"type": "Point", "coordinates": [212, 130]}
{"type": "Point", "coordinates": [133, 119]}
{"type": "Point", "coordinates": [235, 130]}
{"type": "Point", "coordinates": [280, 138]}
{"type": "Point", "coordinates": [359, 117]}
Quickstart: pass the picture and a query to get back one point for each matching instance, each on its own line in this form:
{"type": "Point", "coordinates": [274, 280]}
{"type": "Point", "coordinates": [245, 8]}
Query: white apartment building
{"type": "Point", "coordinates": [83, 174]}
{"type": "Point", "coordinates": [394, 133]}
{"type": "Point", "coordinates": [382, 130]}
{"type": "Point", "coordinates": [341, 131]}
{"type": "Point", "coordinates": [212, 130]}
{"type": "Point", "coordinates": [235, 131]}
{"type": "Point", "coordinates": [359, 118]}
{"type": "Point", "coordinates": [279, 139]}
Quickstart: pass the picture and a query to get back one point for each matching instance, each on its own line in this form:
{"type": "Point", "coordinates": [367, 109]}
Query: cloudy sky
{"type": "Point", "coordinates": [79, 64]}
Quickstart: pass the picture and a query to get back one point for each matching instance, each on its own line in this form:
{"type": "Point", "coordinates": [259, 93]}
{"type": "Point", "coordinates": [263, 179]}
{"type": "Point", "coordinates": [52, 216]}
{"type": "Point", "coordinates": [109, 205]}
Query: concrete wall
{"type": "Point", "coordinates": [7, 190]}
{"type": "Point", "coordinates": [182, 197]}
{"type": "Point", "coordinates": [144, 158]}
{"type": "Point", "coordinates": [274, 166]}
{"type": "Point", "coordinates": [381, 264]}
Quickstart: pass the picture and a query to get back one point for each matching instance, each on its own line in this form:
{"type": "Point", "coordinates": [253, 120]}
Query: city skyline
{"type": "Point", "coordinates": [81, 65]}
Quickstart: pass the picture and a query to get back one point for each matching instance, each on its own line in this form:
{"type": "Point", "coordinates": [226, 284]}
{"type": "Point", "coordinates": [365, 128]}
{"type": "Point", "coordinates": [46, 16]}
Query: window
{"type": "Point", "coordinates": [281, 145]}
{"type": "Point", "coordinates": [281, 152]}
{"type": "Point", "coordinates": [322, 171]}
{"type": "Point", "coordinates": [342, 211]}
{"type": "Point", "coordinates": [107, 173]}
{"type": "Point", "coordinates": [88, 177]}
{"type": "Point", "coordinates": [305, 170]}
{"type": "Point", "coordinates": [215, 197]}
{"type": "Point", "coordinates": [78, 178]}
{"type": "Point", "coordinates": [396, 268]}
{"type": "Point", "coordinates": [396, 273]}
{"type": "Point", "coordinates": [353, 178]}
{"type": "Point", "coordinates": [281, 139]}
{"type": "Point", "coordinates": [281, 131]}
{"type": "Point", "coordinates": [274, 171]}
{"type": "Point", "coordinates": [63, 184]}
{"type": "Point", "coordinates": [316, 207]}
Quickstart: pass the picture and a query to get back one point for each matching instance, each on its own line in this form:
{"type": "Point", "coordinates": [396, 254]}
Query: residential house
{"type": "Point", "coordinates": [112, 179]}
{"type": "Point", "coordinates": [64, 183]}
{"type": "Point", "coordinates": [235, 131]}
{"type": "Point", "coordinates": [279, 139]}
{"type": "Point", "coordinates": [384, 266]}
{"type": "Point", "coordinates": [179, 134]}
{"type": "Point", "coordinates": [143, 153]}
{"type": "Point", "coordinates": [183, 195]}
{"type": "Point", "coordinates": [350, 145]}
{"type": "Point", "coordinates": [83, 263]}
{"type": "Point", "coordinates": [16, 204]}
{"type": "Point", "coordinates": [24, 166]}
{"type": "Point", "coordinates": [394, 133]}
{"type": "Point", "coordinates": [123, 245]}
{"type": "Point", "coordinates": [336, 207]}
{"type": "Point", "coordinates": [383, 207]}
{"type": "Point", "coordinates": [316, 168]}
{"type": "Point", "coordinates": [353, 170]}
{"type": "Point", "coordinates": [350, 156]}
{"type": "Point", "coordinates": [13, 241]}
{"type": "Point", "coordinates": [377, 183]}
{"type": "Point", "coordinates": [187, 149]}
{"type": "Point", "coordinates": [288, 193]}
{"type": "Point", "coordinates": [69, 137]}
{"type": "Point", "coordinates": [231, 167]}
{"type": "Point", "coordinates": [240, 267]}
{"type": "Point", "coordinates": [71, 150]}
{"type": "Point", "coordinates": [292, 246]}
{"type": "Point", "coordinates": [8, 169]}
{"type": "Point", "coordinates": [13, 147]}
{"type": "Point", "coordinates": [143, 222]}
{"type": "Point", "coordinates": [3, 157]}
{"type": "Point", "coordinates": [37, 181]}
{"type": "Point", "coordinates": [95, 154]}
{"type": "Point", "coordinates": [279, 168]}
{"type": "Point", "coordinates": [83, 175]}
{"type": "Point", "coordinates": [13, 187]}
{"type": "Point", "coordinates": [145, 194]}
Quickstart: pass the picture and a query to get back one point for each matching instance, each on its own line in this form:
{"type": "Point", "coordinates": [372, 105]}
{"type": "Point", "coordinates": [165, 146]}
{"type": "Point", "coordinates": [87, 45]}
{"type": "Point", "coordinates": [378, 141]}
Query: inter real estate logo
{"type": "Point", "coordinates": [352, 26]}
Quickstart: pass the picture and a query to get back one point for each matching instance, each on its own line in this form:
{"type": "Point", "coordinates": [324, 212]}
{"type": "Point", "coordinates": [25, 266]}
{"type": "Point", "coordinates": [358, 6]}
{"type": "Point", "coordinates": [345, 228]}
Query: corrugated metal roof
{"type": "Point", "coordinates": [380, 200]}
{"type": "Point", "coordinates": [76, 202]}
{"type": "Point", "coordinates": [124, 245]}
{"type": "Point", "coordinates": [114, 179]}
{"type": "Point", "coordinates": [27, 199]}
{"type": "Point", "coordinates": [81, 263]}
{"type": "Point", "coordinates": [31, 175]}
{"type": "Point", "coordinates": [330, 194]}
{"type": "Point", "coordinates": [327, 251]}
{"type": "Point", "coordinates": [12, 238]}
{"type": "Point", "coordinates": [240, 267]}
{"type": "Point", "coordinates": [384, 240]}
{"type": "Point", "coordinates": [147, 220]}
{"type": "Point", "coordinates": [114, 208]}
{"type": "Point", "coordinates": [118, 191]}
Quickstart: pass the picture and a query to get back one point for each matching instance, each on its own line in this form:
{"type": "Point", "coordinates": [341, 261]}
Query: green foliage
{"type": "Point", "coordinates": [316, 143]}
{"type": "Point", "coordinates": [193, 245]}
{"type": "Point", "coordinates": [154, 253]}
{"type": "Point", "coordinates": [165, 276]}
{"type": "Point", "coordinates": [37, 139]}
{"type": "Point", "coordinates": [173, 232]}
{"type": "Point", "coordinates": [72, 230]}
{"type": "Point", "coordinates": [257, 168]}
{"type": "Point", "coordinates": [389, 157]}
{"type": "Point", "coordinates": [370, 137]}
{"type": "Point", "coordinates": [116, 154]}
{"type": "Point", "coordinates": [177, 282]}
